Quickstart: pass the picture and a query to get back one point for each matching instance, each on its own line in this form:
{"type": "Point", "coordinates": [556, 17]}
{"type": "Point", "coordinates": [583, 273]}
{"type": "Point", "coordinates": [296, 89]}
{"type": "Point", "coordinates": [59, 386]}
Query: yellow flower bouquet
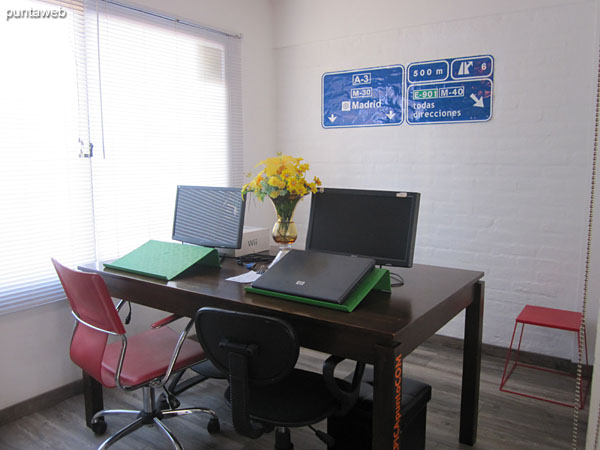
{"type": "Point", "coordinates": [283, 180]}
{"type": "Point", "coordinates": [282, 176]}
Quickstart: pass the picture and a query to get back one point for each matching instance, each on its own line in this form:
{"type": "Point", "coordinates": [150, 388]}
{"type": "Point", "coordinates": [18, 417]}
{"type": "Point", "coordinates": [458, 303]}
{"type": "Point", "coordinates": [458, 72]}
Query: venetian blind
{"type": "Point", "coordinates": [160, 100]}
{"type": "Point", "coordinates": [45, 194]}
{"type": "Point", "coordinates": [165, 110]}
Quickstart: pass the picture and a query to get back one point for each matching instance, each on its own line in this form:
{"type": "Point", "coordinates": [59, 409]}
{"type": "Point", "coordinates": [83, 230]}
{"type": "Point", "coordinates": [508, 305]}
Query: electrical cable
{"type": "Point", "coordinates": [398, 278]}
{"type": "Point", "coordinates": [255, 258]}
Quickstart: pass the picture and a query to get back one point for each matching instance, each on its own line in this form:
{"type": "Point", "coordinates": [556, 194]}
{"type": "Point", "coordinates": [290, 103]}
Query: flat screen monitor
{"type": "Point", "coordinates": [377, 224]}
{"type": "Point", "coordinates": [209, 216]}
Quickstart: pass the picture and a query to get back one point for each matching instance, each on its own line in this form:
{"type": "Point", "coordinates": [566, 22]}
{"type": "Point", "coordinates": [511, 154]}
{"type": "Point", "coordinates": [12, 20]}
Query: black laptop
{"type": "Point", "coordinates": [313, 274]}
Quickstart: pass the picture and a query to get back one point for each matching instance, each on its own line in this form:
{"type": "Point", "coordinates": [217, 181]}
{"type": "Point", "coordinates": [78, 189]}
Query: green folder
{"type": "Point", "coordinates": [165, 260]}
{"type": "Point", "coordinates": [378, 279]}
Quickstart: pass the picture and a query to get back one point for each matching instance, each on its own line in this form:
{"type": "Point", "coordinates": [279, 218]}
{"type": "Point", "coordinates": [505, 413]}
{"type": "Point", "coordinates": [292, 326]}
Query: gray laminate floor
{"type": "Point", "coordinates": [506, 422]}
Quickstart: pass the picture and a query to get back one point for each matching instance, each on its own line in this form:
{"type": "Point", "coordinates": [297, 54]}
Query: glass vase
{"type": "Point", "coordinates": [284, 231]}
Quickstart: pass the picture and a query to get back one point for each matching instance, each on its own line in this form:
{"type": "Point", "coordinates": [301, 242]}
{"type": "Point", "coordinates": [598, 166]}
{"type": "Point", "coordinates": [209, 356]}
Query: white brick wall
{"type": "Point", "coordinates": [509, 196]}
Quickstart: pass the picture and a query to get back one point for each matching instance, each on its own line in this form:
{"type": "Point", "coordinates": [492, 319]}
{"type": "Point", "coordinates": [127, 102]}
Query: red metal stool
{"type": "Point", "coordinates": [549, 318]}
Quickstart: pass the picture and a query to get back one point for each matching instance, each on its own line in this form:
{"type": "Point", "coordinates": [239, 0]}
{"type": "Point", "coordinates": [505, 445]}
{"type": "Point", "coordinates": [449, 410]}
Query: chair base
{"type": "Point", "coordinates": [151, 415]}
{"type": "Point", "coordinates": [283, 440]}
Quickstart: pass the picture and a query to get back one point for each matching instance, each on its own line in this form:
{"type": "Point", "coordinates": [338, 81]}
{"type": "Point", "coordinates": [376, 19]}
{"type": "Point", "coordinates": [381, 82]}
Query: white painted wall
{"type": "Point", "coordinates": [508, 197]}
{"type": "Point", "coordinates": [34, 343]}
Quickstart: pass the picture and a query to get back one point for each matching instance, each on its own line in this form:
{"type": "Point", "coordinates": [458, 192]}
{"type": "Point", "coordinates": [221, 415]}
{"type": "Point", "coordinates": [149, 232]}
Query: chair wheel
{"type": "Point", "coordinates": [99, 427]}
{"type": "Point", "coordinates": [213, 426]}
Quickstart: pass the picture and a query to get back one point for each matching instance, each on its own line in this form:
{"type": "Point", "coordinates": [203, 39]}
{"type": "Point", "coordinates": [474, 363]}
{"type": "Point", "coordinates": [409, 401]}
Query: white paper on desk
{"type": "Point", "coordinates": [248, 277]}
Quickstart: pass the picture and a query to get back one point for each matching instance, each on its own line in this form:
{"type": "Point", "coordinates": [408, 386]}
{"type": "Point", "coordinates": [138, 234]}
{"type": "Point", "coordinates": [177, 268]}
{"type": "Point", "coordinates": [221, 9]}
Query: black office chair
{"type": "Point", "coordinates": [265, 389]}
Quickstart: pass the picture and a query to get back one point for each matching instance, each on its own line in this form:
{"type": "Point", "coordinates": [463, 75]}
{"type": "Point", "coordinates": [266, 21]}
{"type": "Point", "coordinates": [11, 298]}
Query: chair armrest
{"type": "Point", "coordinates": [175, 355]}
{"type": "Point", "coordinates": [166, 321]}
{"type": "Point", "coordinates": [161, 323]}
{"type": "Point", "coordinates": [120, 304]}
{"type": "Point", "coordinates": [239, 392]}
{"type": "Point", "coordinates": [340, 391]}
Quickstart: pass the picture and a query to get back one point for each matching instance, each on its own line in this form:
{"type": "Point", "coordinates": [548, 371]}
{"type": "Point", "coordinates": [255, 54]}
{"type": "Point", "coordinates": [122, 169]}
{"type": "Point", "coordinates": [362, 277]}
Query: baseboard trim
{"type": "Point", "coordinates": [57, 395]}
{"type": "Point", "coordinates": [39, 402]}
{"type": "Point", "coordinates": [551, 362]}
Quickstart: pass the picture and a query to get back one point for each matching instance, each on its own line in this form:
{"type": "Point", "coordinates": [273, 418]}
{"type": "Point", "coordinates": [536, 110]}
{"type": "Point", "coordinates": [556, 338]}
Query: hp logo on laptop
{"type": "Point", "coordinates": [300, 282]}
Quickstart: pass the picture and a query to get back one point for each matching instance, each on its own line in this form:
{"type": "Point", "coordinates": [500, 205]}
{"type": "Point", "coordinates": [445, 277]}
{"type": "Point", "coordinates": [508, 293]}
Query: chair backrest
{"type": "Point", "coordinates": [91, 302]}
{"type": "Point", "coordinates": [251, 349]}
{"type": "Point", "coordinates": [274, 342]}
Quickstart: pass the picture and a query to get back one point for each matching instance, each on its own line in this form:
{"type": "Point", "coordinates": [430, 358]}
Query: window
{"type": "Point", "coordinates": [161, 101]}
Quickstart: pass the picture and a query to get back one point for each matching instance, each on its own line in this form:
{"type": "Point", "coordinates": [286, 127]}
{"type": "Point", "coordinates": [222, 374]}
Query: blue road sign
{"type": "Point", "coordinates": [362, 98]}
{"type": "Point", "coordinates": [477, 66]}
{"type": "Point", "coordinates": [428, 71]}
{"type": "Point", "coordinates": [450, 101]}
{"type": "Point", "coordinates": [450, 91]}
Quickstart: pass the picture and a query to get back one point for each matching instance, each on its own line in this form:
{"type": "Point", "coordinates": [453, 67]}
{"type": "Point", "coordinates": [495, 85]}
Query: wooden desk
{"type": "Point", "coordinates": [382, 330]}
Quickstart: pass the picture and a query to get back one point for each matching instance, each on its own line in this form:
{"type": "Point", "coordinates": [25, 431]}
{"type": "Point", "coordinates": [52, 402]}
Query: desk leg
{"type": "Point", "coordinates": [387, 395]}
{"type": "Point", "coordinates": [92, 396]}
{"type": "Point", "coordinates": [469, 404]}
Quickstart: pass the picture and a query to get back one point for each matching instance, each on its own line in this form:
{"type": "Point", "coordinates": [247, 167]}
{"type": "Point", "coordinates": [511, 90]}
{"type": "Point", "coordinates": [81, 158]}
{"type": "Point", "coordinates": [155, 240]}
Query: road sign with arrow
{"type": "Point", "coordinates": [450, 90]}
{"type": "Point", "coordinates": [363, 98]}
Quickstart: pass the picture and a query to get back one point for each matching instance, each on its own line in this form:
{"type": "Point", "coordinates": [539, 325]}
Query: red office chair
{"type": "Point", "coordinates": [145, 360]}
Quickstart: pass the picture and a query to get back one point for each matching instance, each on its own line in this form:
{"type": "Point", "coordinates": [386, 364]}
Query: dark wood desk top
{"type": "Point", "coordinates": [429, 298]}
{"type": "Point", "coordinates": [382, 330]}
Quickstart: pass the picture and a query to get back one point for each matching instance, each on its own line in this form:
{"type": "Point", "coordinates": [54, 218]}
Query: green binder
{"type": "Point", "coordinates": [165, 260]}
{"type": "Point", "coordinates": [378, 279]}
